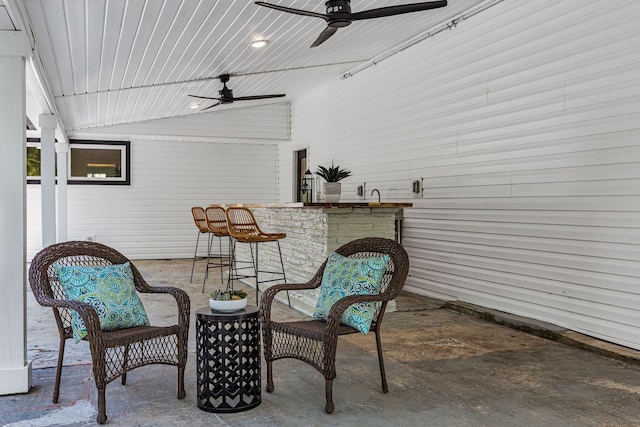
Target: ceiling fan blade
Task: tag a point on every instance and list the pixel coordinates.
(204, 97)
(397, 10)
(328, 32)
(291, 10)
(249, 98)
(211, 106)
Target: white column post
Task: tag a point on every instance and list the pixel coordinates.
(48, 124)
(15, 370)
(62, 148)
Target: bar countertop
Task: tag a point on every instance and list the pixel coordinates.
(322, 205)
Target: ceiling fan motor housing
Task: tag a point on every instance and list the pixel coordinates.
(335, 6)
(226, 95)
(338, 13)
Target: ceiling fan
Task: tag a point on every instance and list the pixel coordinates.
(339, 14)
(226, 94)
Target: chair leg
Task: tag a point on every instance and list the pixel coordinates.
(193, 265)
(124, 365)
(328, 384)
(221, 273)
(206, 269)
(102, 407)
(56, 387)
(284, 277)
(230, 254)
(181, 391)
(233, 270)
(255, 265)
(269, 377)
(381, 362)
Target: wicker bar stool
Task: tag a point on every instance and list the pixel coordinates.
(243, 228)
(216, 220)
(200, 219)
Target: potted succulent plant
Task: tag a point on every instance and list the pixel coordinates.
(332, 186)
(228, 300)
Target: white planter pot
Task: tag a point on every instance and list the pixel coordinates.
(331, 191)
(228, 305)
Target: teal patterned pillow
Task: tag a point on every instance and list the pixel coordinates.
(109, 289)
(345, 276)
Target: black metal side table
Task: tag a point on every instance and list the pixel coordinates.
(228, 359)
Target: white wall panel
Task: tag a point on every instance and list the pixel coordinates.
(267, 123)
(524, 122)
(151, 218)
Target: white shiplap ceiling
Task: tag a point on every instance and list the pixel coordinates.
(5, 19)
(130, 61)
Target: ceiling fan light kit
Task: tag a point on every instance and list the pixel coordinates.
(259, 43)
(339, 14)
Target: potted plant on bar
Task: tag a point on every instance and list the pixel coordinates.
(331, 186)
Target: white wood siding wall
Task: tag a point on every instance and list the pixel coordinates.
(259, 124)
(525, 123)
(152, 217)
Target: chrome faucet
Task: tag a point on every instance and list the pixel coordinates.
(375, 190)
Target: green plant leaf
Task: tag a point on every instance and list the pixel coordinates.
(332, 174)
(226, 295)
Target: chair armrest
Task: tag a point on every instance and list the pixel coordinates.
(89, 317)
(86, 311)
(181, 297)
(269, 295)
(338, 309)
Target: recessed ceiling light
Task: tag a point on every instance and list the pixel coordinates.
(194, 106)
(259, 43)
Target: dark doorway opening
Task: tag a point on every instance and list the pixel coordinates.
(301, 168)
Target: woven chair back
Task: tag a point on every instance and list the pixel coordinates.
(217, 221)
(241, 223)
(397, 267)
(200, 219)
(44, 280)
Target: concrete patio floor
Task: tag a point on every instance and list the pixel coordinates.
(446, 366)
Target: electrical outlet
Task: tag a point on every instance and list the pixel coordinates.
(362, 191)
(416, 188)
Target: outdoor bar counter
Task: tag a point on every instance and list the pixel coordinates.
(313, 231)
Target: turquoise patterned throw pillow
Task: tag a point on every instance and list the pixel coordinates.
(345, 276)
(110, 290)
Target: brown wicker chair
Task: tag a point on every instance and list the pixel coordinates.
(114, 353)
(315, 342)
